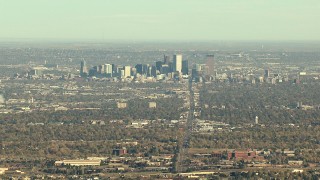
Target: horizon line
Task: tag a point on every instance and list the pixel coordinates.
(71, 40)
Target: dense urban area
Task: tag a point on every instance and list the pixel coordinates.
(240, 110)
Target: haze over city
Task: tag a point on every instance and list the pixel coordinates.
(162, 20)
(159, 89)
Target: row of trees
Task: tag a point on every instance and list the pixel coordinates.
(303, 138)
(82, 140)
(271, 103)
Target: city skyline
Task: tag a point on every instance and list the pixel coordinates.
(142, 20)
(132, 111)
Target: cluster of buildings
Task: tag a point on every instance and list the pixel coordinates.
(120, 163)
(161, 69)
(179, 68)
(227, 159)
(123, 105)
(209, 126)
(166, 69)
(176, 68)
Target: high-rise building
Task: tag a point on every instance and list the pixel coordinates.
(194, 73)
(210, 65)
(142, 69)
(166, 59)
(83, 69)
(170, 64)
(266, 74)
(199, 71)
(127, 71)
(145, 69)
(108, 70)
(165, 69)
(185, 67)
(94, 71)
(114, 69)
(101, 69)
(158, 65)
(177, 63)
(117, 70)
(139, 68)
(152, 71)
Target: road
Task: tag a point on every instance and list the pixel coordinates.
(184, 146)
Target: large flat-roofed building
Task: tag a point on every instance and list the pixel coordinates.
(120, 152)
(246, 155)
(152, 105)
(78, 162)
(122, 105)
(3, 170)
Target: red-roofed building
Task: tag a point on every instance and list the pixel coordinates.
(246, 155)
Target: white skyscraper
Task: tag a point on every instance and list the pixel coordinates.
(127, 71)
(177, 62)
(108, 69)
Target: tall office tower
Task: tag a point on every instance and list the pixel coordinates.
(194, 73)
(118, 69)
(101, 69)
(145, 69)
(152, 71)
(142, 68)
(165, 69)
(83, 69)
(158, 65)
(93, 72)
(185, 67)
(127, 71)
(108, 70)
(170, 64)
(266, 73)
(114, 69)
(177, 63)
(166, 59)
(139, 68)
(210, 65)
(196, 70)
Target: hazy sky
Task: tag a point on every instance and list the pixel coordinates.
(185, 20)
